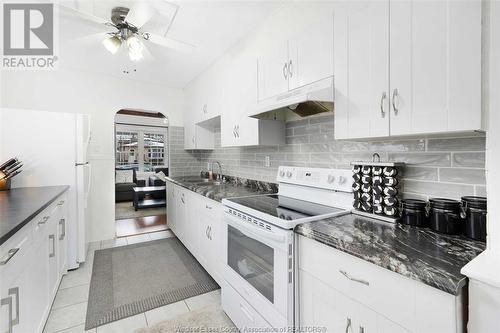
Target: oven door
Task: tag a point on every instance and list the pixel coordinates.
(259, 265)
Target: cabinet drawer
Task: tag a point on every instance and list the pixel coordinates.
(15, 252)
(241, 313)
(41, 222)
(386, 292)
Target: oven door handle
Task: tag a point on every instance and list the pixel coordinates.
(255, 231)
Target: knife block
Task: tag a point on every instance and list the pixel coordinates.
(5, 184)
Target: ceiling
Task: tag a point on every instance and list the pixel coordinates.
(211, 26)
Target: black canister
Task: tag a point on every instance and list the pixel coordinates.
(474, 213)
(414, 212)
(444, 216)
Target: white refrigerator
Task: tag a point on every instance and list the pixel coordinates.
(53, 147)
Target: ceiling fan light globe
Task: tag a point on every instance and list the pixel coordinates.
(112, 44)
(134, 44)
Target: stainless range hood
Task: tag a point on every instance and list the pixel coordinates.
(309, 100)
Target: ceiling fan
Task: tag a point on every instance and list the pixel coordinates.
(129, 28)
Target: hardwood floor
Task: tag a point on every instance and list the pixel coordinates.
(140, 225)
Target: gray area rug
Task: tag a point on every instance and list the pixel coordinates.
(125, 210)
(207, 319)
(136, 278)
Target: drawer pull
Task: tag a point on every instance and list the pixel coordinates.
(8, 301)
(208, 207)
(60, 203)
(53, 238)
(15, 291)
(9, 256)
(44, 220)
(344, 273)
(62, 223)
(361, 329)
(348, 325)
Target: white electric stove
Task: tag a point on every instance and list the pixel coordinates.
(259, 243)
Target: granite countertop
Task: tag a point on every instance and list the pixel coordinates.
(18, 206)
(233, 187)
(417, 253)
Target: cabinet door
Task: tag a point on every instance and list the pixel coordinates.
(16, 302)
(171, 206)
(52, 253)
(322, 306)
(180, 213)
(273, 69)
(435, 51)
(311, 44)
(61, 236)
(361, 69)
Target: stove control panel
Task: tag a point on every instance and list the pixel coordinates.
(330, 179)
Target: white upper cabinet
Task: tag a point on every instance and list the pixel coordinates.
(361, 69)
(407, 67)
(295, 48)
(273, 69)
(310, 46)
(435, 72)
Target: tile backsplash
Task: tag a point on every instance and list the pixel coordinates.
(448, 167)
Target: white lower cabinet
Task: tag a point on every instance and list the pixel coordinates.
(195, 220)
(351, 295)
(32, 263)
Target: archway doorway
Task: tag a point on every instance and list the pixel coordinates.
(141, 155)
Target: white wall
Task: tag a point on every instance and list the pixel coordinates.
(101, 96)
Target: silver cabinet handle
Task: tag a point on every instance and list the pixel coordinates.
(182, 198)
(290, 68)
(361, 329)
(238, 131)
(210, 232)
(208, 207)
(344, 273)
(382, 111)
(9, 256)
(395, 94)
(192, 139)
(44, 220)
(62, 223)
(53, 238)
(348, 325)
(206, 232)
(234, 131)
(15, 291)
(8, 301)
(60, 203)
(285, 71)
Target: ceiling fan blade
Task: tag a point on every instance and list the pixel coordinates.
(83, 15)
(169, 43)
(139, 14)
(168, 11)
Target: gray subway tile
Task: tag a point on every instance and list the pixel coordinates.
(434, 189)
(400, 145)
(423, 159)
(462, 175)
(322, 119)
(472, 160)
(321, 138)
(421, 173)
(480, 191)
(457, 144)
(297, 139)
(296, 123)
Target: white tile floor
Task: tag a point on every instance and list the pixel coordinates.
(70, 305)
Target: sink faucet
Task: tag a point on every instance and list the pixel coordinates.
(219, 174)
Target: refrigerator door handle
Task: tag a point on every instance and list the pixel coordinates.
(89, 180)
(79, 164)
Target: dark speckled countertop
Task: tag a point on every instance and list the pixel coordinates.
(417, 253)
(18, 206)
(232, 188)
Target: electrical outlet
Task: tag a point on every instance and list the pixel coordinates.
(267, 162)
